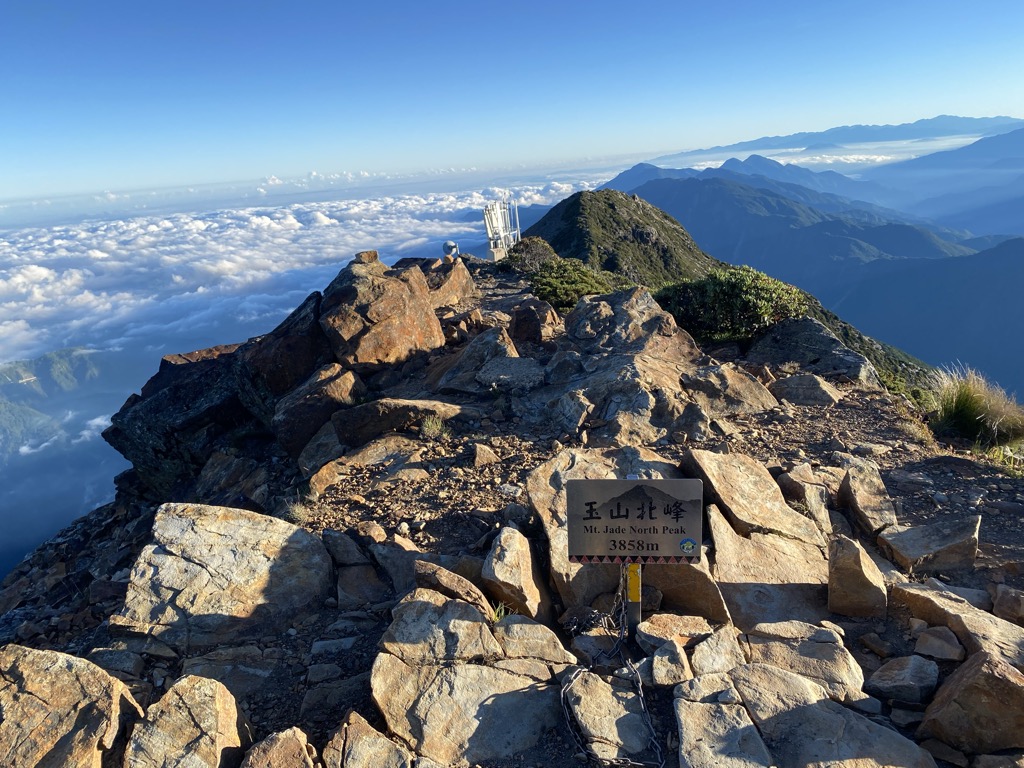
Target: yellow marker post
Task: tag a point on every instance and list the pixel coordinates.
(633, 596)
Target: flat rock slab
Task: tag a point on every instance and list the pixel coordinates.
(217, 575)
(463, 713)
(980, 707)
(60, 710)
(749, 496)
(816, 653)
(945, 546)
(768, 578)
(714, 726)
(523, 638)
(801, 726)
(978, 630)
(805, 389)
(610, 717)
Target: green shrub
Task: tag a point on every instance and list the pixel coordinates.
(970, 407)
(561, 282)
(731, 304)
(528, 255)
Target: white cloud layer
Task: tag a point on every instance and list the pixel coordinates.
(170, 282)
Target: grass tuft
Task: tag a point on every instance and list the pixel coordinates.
(970, 407)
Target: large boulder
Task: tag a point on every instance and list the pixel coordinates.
(629, 385)
(357, 744)
(727, 390)
(815, 349)
(374, 317)
(421, 631)
(576, 584)
(217, 575)
(610, 716)
(284, 749)
(58, 710)
(197, 720)
(170, 431)
(513, 578)
(814, 652)
(270, 366)
(361, 424)
(303, 411)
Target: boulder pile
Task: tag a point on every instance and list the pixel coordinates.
(344, 545)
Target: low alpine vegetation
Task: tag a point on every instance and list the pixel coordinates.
(970, 407)
(732, 304)
(560, 282)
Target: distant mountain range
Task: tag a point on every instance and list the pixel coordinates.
(943, 125)
(932, 270)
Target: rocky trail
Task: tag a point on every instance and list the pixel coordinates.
(343, 544)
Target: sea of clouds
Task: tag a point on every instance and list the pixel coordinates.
(129, 290)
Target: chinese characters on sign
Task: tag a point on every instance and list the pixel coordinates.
(634, 521)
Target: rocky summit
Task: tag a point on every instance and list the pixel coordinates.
(343, 545)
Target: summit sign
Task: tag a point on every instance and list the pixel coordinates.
(634, 521)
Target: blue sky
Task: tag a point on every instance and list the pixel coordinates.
(119, 95)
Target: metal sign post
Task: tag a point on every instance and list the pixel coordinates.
(634, 522)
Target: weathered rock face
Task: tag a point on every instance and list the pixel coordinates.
(169, 432)
(630, 384)
(309, 406)
(816, 653)
(978, 630)
(534, 321)
(373, 316)
(58, 710)
(980, 707)
(749, 496)
(805, 389)
(799, 724)
(610, 717)
(357, 426)
(694, 591)
(464, 713)
(197, 717)
(449, 282)
(513, 578)
(271, 366)
(809, 343)
(357, 744)
(216, 575)
(422, 633)
(286, 749)
(863, 492)
(727, 390)
(767, 578)
(907, 678)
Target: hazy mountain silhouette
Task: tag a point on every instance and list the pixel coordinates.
(935, 127)
(966, 309)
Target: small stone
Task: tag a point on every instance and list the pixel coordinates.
(907, 678)
(876, 645)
